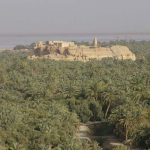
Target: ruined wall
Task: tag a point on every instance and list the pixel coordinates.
(87, 53)
(118, 52)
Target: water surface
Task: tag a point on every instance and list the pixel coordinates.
(9, 41)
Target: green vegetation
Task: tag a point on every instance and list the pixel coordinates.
(43, 101)
(20, 47)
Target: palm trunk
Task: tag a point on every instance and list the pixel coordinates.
(126, 133)
(107, 110)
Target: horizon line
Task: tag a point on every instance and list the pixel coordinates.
(80, 33)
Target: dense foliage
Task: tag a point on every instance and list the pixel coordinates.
(21, 47)
(42, 101)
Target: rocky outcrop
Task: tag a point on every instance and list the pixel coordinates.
(122, 52)
(87, 53)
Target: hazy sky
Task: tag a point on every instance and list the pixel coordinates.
(74, 16)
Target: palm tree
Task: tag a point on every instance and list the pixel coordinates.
(130, 117)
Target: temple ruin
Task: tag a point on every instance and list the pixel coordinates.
(63, 50)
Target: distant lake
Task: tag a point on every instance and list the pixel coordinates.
(9, 41)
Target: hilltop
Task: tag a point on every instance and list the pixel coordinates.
(69, 51)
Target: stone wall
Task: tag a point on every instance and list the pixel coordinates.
(87, 53)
